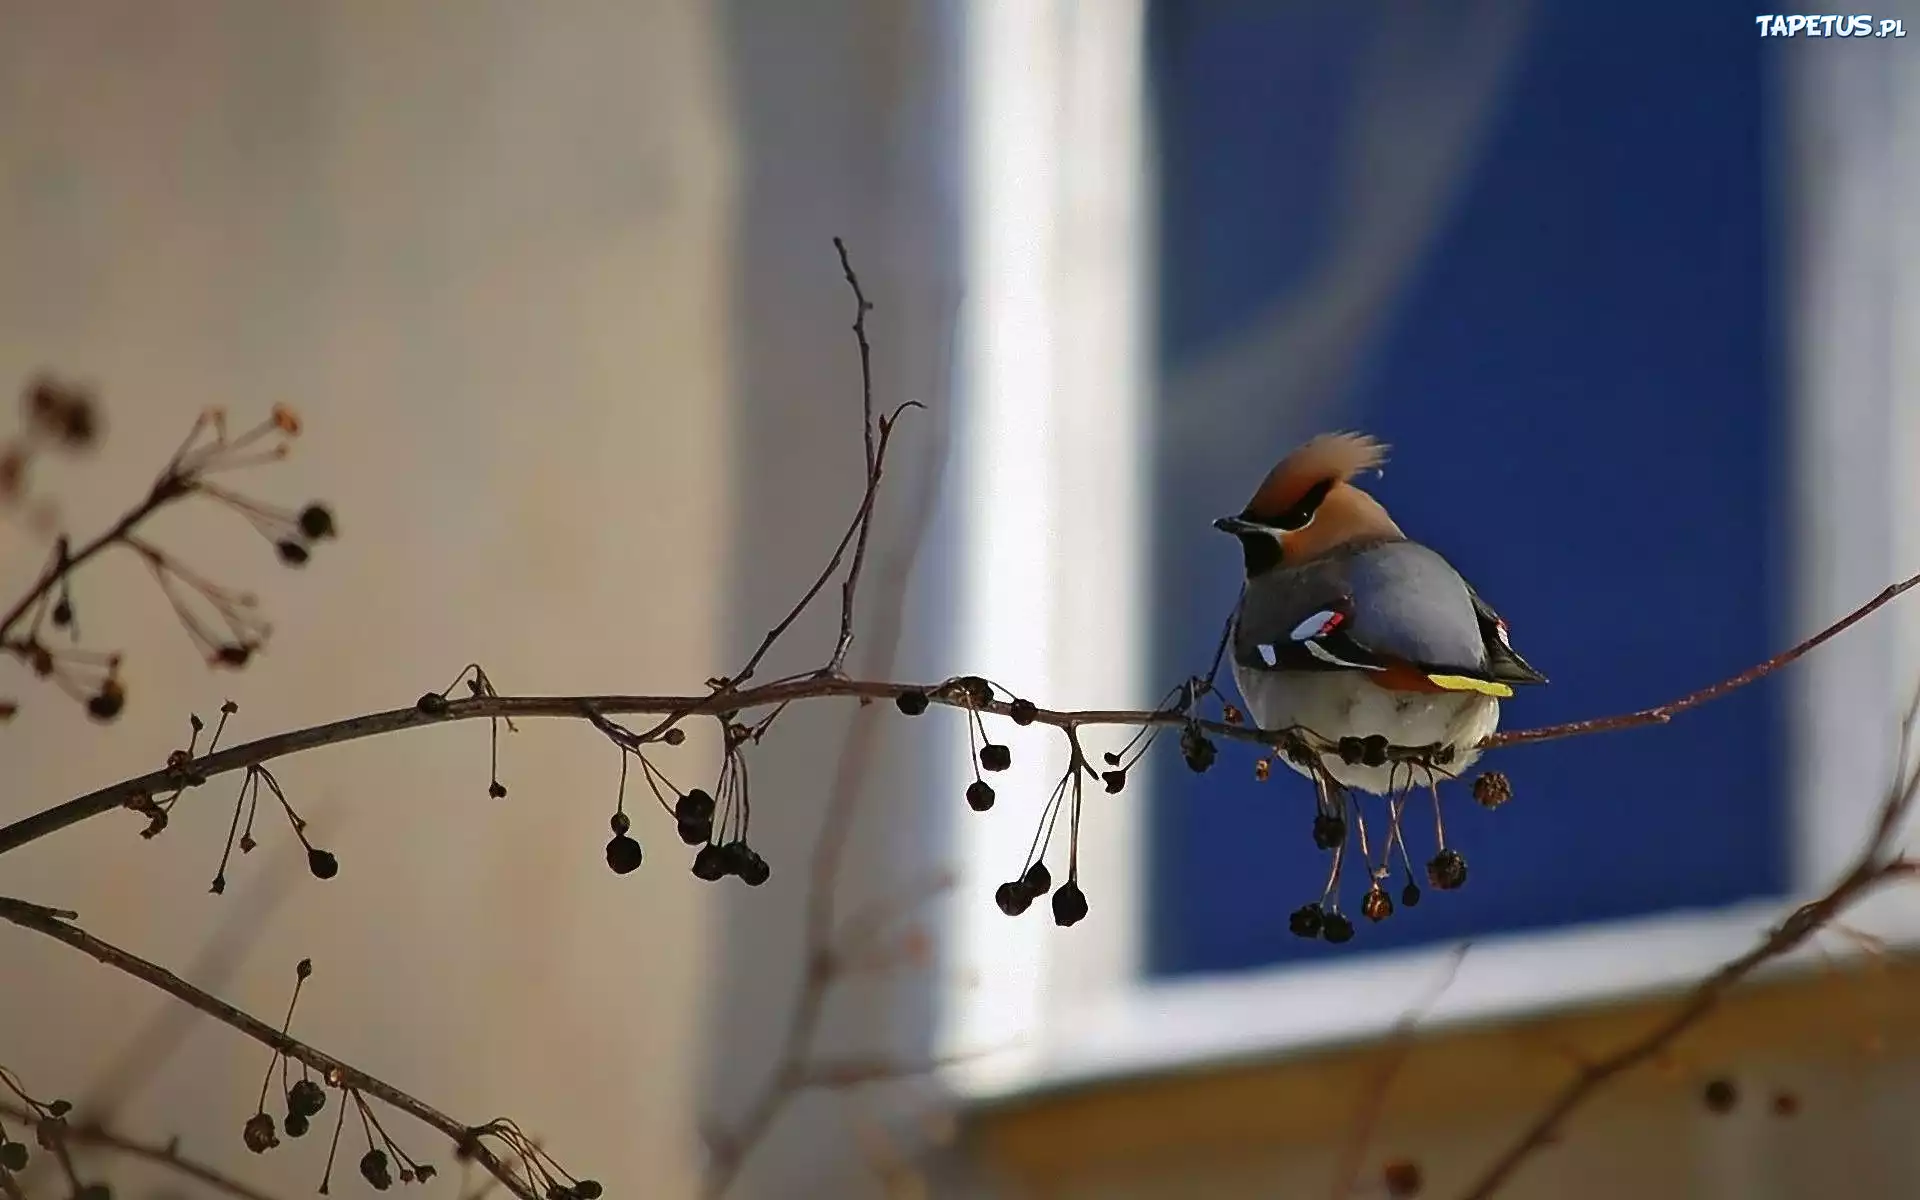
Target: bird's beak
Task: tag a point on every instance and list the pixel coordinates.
(1237, 526)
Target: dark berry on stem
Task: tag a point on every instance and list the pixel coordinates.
(995, 757)
(292, 553)
(13, 1156)
(259, 1133)
(980, 795)
(710, 864)
(1410, 894)
(755, 871)
(694, 832)
(1038, 879)
(1023, 712)
(1447, 870)
(1373, 751)
(623, 854)
(1115, 780)
(1306, 921)
(695, 806)
(432, 703)
(497, 790)
(1069, 904)
(1013, 898)
(316, 521)
(1198, 749)
(620, 822)
(306, 1098)
(1329, 830)
(1337, 929)
(106, 704)
(911, 703)
(322, 863)
(296, 1125)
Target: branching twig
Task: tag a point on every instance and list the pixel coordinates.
(93, 1136)
(1876, 865)
(59, 926)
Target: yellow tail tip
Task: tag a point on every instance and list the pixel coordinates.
(1464, 683)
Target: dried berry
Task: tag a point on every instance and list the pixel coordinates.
(1373, 750)
(1447, 870)
(1306, 921)
(259, 1133)
(497, 790)
(1198, 749)
(755, 870)
(696, 807)
(911, 703)
(234, 655)
(1023, 712)
(995, 757)
(1038, 880)
(1013, 898)
(13, 1156)
(1492, 789)
(710, 864)
(306, 1098)
(1069, 904)
(1402, 1179)
(292, 553)
(1410, 895)
(980, 795)
(1115, 780)
(297, 1125)
(105, 704)
(1337, 929)
(620, 822)
(694, 832)
(322, 863)
(1351, 750)
(62, 612)
(1329, 830)
(374, 1169)
(316, 521)
(587, 1189)
(1719, 1096)
(623, 854)
(432, 703)
(1375, 906)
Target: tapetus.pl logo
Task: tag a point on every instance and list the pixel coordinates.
(1858, 25)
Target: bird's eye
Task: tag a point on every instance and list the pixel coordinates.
(1303, 511)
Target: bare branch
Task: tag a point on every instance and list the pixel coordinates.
(1873, 868)
(93, 1136)
(58, 925)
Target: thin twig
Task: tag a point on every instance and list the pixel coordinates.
(1399, 1044)
(1875, 866)
(93, 1136)
(838, 662)
(58, 926)
(829, 951)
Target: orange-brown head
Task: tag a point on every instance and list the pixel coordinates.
(1308, 505)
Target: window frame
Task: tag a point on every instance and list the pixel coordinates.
(1059, 255)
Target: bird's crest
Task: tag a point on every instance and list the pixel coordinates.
(1330, 458)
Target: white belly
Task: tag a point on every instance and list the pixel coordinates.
(1331, 705)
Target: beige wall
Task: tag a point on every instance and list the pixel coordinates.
(485, 250)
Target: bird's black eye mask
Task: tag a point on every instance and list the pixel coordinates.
(1260, 538)
(1301, 514)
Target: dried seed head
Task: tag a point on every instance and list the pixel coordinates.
(1306, 920)
(323, 864)
(259, 1133)
(995, 757)
(1492, 789)
(1375, 906)
(1447, 870)
(1023, 712)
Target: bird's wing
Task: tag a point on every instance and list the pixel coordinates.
(1503, 660)
(1395, 609)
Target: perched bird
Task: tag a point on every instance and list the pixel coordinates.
(1356, 637)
